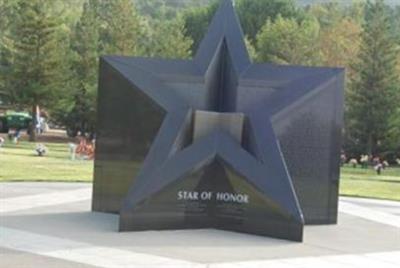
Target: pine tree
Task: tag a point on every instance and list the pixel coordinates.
(38, 56)
(7, 9)
(7, 91)
(77, 109)
(373, 95)
(123, 30)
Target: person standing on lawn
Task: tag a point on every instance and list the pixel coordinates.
(378, 168)
(17, 136)
(364, 161)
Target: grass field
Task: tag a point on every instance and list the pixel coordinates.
(20, 163)
(366, 183)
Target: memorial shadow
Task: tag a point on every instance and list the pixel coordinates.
(82, 226)
(204, 245)
(100, 230)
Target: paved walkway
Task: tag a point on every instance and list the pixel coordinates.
(50, 225)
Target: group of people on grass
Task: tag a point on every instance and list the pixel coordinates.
(366, 160)
(84, 150)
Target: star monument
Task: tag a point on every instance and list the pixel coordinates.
(217, 141)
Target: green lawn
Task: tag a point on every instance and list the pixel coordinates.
(366, 183)
(19, 162)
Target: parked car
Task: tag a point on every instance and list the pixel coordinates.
(16, 120)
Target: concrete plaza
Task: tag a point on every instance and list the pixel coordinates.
(51, 225)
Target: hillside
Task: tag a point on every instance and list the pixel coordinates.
(148, 6)
(343, 2)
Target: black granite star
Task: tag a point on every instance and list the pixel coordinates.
(221, 80)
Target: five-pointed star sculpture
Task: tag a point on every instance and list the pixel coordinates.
(220, 78)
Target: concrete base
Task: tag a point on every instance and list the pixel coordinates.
(43, 224)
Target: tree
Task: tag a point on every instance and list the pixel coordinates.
(5, 70)
(196, 21)
(250, 49)
(394, 132)
(254, 14)
(339, 38)
(168, 40)
(340, 42)
(38, 56)
(394, 15)
(99, 31)
(77, 109)
(122, 30)
(7, 10)
(105, 27)
(287, 41)
(165, 9)
(395, 26)
(374, 89)
(156, 9)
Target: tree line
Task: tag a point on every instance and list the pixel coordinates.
(50, 49)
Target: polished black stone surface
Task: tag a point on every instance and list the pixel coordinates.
(218, 142)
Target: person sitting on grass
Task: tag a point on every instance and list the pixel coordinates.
(81, 148)
(85, 150)
(41, 150)
(353, 162)
(90, 151)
